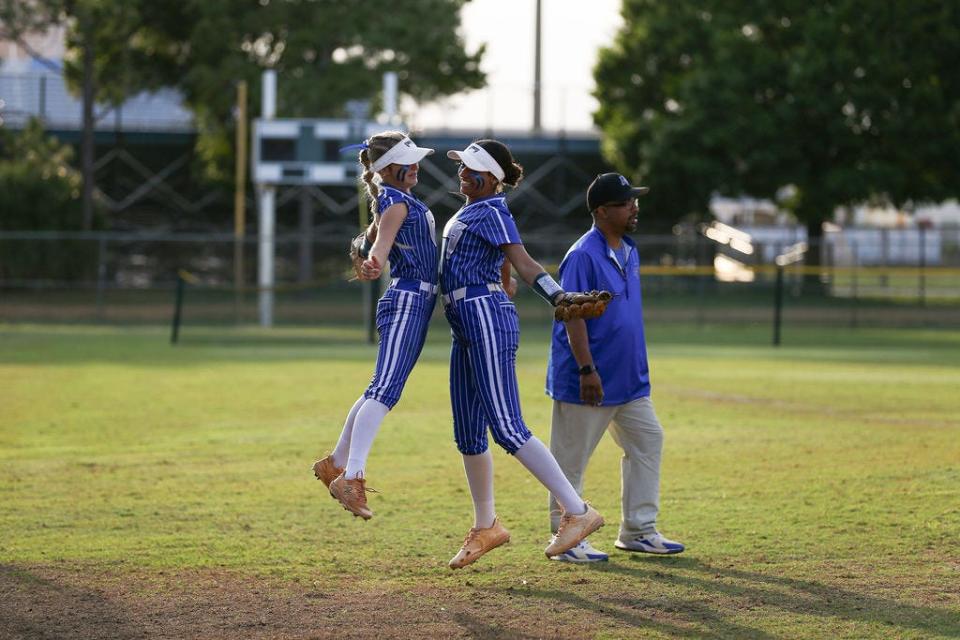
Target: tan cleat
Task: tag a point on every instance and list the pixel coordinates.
(478, 542)
(352, 494)
(326, 471)
(573, 529)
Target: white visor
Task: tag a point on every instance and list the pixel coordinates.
(404, 152)
(476, 158)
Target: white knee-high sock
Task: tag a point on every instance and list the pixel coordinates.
(365, 427)
(479, 470)
(342, 451)
(540, 462)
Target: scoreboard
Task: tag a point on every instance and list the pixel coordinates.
(296, 151)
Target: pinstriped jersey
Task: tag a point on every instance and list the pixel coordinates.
(471, 252)
(414, 251)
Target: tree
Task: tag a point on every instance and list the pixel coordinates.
(844, 100)
(40, 190)
(325, 52)
(83, 18)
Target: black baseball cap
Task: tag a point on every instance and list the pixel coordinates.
(611, 187)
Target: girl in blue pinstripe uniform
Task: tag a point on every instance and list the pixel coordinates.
(406, 235)
(485, 328)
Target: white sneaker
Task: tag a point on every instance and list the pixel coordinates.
(650, 543)
(583, 552)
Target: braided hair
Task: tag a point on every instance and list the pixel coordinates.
(377, 145)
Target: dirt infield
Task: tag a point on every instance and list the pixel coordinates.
(46, 602)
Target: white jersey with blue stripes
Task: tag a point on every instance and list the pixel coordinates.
(470, 252)
(414, 252)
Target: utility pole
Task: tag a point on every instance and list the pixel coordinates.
(239, 198)
(87, 137)
(536, 73)
(267, 213)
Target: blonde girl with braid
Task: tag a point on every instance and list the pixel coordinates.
(403, 231)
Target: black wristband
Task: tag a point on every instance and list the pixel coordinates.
(586, 369)
(547, 288)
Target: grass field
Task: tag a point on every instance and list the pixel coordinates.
(157, 491)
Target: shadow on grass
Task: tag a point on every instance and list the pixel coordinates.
(745, 590)
(681, 618)
(27, 600)
(482, 629)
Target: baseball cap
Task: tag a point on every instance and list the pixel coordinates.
(611, 187)
(404, 152)
(477, 158)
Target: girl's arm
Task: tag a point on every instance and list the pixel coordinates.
(390, 221)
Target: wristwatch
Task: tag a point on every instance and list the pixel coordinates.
(587, 369)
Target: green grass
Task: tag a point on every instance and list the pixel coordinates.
(817, 485)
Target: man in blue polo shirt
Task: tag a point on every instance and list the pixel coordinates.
(598, 375)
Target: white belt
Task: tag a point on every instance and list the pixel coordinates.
(477, 289)
(406, 284)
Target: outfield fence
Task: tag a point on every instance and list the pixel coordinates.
(121, 278)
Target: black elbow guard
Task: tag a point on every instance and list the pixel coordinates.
(547, 288)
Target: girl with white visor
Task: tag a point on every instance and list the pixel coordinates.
(483, 383)
(405, 234)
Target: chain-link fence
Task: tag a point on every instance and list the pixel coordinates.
(697, 277)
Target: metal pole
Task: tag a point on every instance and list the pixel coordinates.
(923, 266)
(43, 98)
(778, 306)
(239, 200)
(265, 255)
(268, 99)
(267, 215)
(855, 294)
(87, 142)
(701, 262)
(536, 71)
(177, 307)
(101, 275)
(305, 271)
(390, 89)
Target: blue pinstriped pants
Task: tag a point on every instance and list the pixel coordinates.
(483, 379)
(402, 321)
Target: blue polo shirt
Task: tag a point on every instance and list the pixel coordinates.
(616, 338)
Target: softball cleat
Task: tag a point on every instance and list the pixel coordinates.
(326, 471)
(478, 542)
(352, 494)
(573, 529)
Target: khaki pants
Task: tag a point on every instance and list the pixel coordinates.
(575, 433)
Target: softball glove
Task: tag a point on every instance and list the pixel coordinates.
(587, 305)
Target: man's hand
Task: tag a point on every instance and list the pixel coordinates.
(591, 389)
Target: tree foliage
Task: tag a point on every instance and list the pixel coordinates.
(20, 18)
(41, 191)
(39, 188)
(325, 52)
(844, 100)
